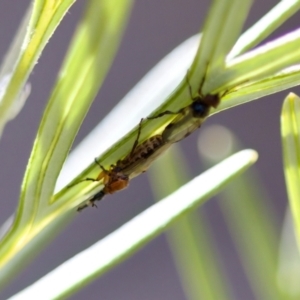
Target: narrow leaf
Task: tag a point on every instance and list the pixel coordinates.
(88, 60)
(265, 26)
(65, 279)
(290, 133)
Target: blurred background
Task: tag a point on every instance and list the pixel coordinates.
(155, 28)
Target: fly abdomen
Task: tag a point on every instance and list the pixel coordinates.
(149, 146)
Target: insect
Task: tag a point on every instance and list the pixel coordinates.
(136, 162)
(113, 181)
(188, 119)
(191, 117)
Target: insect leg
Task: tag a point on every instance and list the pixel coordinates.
(201, 83)
(137, 138)
(82, 180)
(232, 90)
(167, 112)
(98, 163)
(91, 202)
(100, 176)
(203, 80)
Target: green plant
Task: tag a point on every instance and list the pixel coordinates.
(252, 73)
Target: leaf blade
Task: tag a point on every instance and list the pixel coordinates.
(135, 233)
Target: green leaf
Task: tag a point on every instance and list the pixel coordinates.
(280, 81)
(197, 262)
(248, 214)
(289, 259)
(38, 25)
(261, 62)
(87, 62)
(265, 26)
(67, 110)
(180, 96)
(135, 233)
(290, 130)
(221, 29)
(218, 15)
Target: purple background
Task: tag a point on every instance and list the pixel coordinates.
(155, 28)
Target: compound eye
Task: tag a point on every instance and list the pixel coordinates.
(200, 109)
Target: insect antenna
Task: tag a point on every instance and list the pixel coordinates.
(82, 180)
(89, 178)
